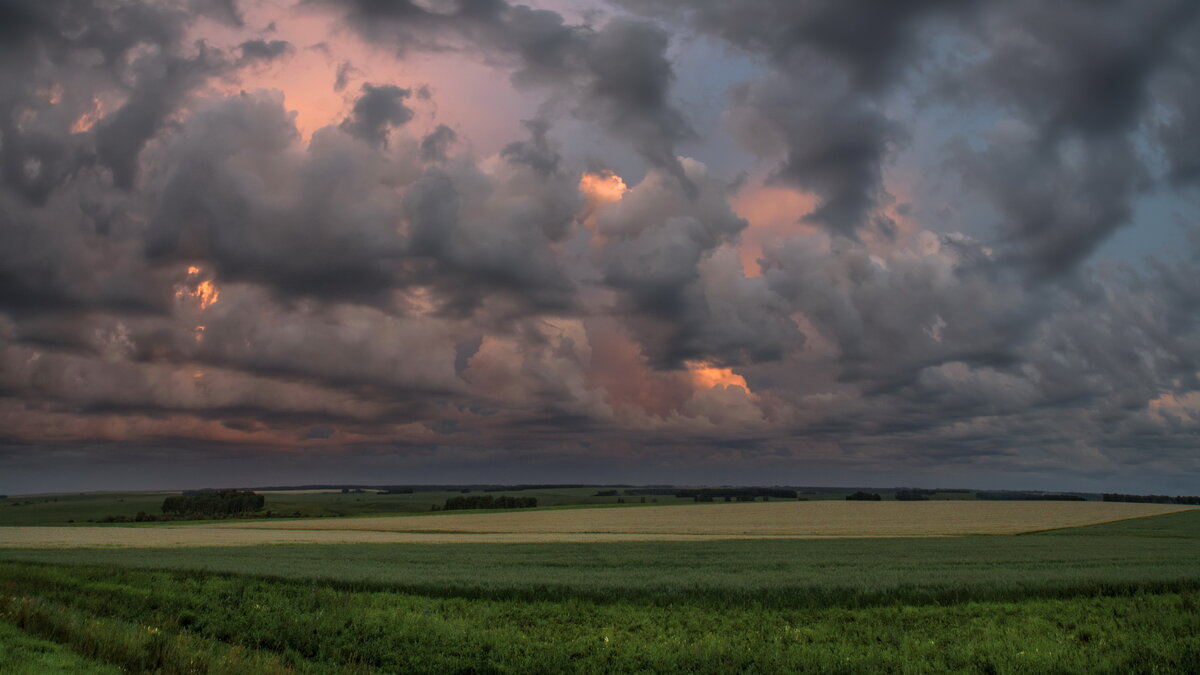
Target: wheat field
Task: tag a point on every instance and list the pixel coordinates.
(770, 520)
(758, 519)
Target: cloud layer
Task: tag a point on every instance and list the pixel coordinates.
(899, 260)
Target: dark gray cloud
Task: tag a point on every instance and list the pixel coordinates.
(472, 235)
(826, 137)
(1077, 74)
(1077, 67)
(1178, 90)
(680, 302)
(618, 75)
(335, 226)
(344, 71)
(1056, 203)
(334, 235)
(437, 143)
(160, 88)
(1079, 77)
(83, 88)
(379, 109)
(875, 39)
(263, 50)
(51, 44)
(820, 116)
(224, 11)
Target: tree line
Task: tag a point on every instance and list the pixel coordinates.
(745, 494)
(488, 502)
(864, 497)
(213, 503)
(1151, 499)
(1028, 497)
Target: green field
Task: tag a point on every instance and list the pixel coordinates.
(24, 654)
(82, 509)
(1121, 597)
(79, 509)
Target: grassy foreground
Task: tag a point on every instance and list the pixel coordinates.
(1122, 597)
(24, 654)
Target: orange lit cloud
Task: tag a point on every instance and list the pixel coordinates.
(205, 291)
(1184, 406)
(600, 188)
(705, 376)
(772, 213)
(89, 119)
(604, 187)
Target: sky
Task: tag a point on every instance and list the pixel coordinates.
(934, 243)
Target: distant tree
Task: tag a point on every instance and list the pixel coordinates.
(911, 496)
(747, 494)
(864, 497)
(488, 502)
(1029, 496)
(213, 503)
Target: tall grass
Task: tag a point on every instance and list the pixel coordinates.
(1120, 598)
(1151, 554)
(154, 621)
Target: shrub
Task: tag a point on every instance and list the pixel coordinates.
(864, 497)
(213, 503)
(489, 502)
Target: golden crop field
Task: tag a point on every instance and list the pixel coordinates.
(825, 519)
(758, 519)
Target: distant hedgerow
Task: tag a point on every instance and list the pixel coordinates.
(214, 503)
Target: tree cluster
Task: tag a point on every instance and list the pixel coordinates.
(1152, 499)
(213, 503)
(1028, 497)
(489, 502)
(652, 491)
(740, 494)
(914, 495)
(864, 497)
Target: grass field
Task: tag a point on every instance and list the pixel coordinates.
(24, 654)
(701, 521)
(67, 509)
(760, 519)
(1119, 597)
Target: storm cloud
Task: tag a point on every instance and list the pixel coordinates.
(779, 241)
